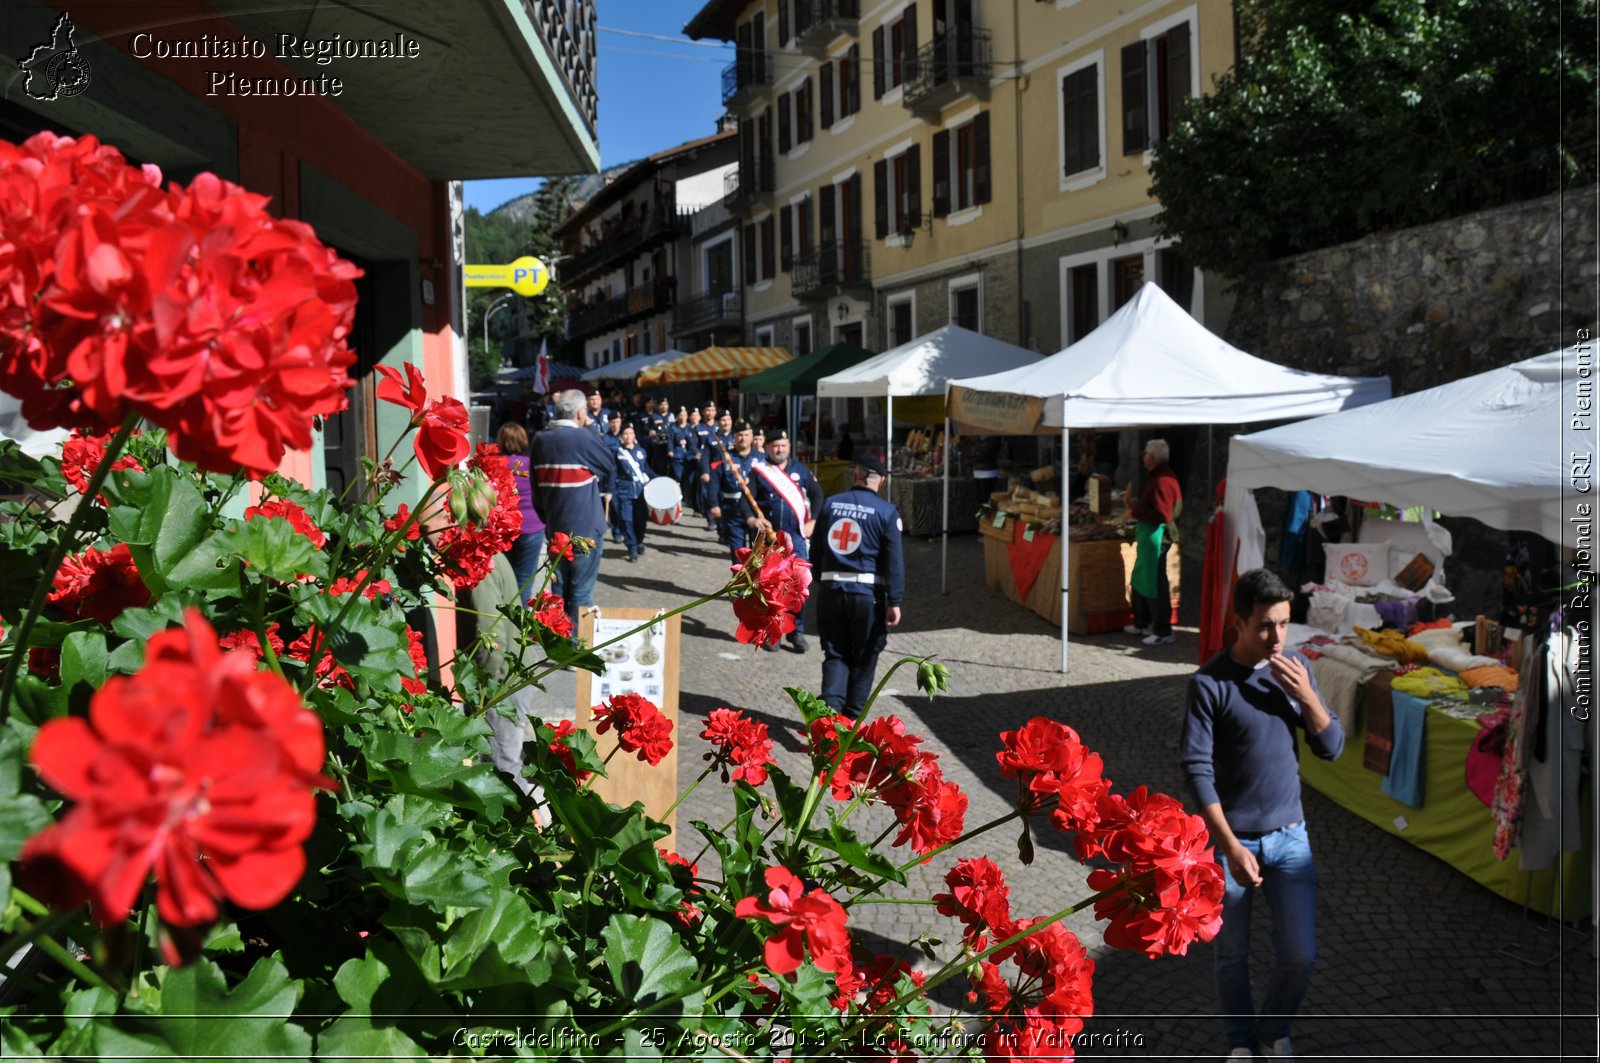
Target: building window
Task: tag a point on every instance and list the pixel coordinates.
(802, 337)
(1156, 79)
(802, 113)
(1083, 301)
(1175, 277)
(894, 52)
(1127, 277)
(898, 191)
(764, 336)
(850, 82)
(901, 319)
(769, 249)
(966, 304)
(961, 169)
(1082, 119)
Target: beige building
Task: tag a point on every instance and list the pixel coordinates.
(906, 165)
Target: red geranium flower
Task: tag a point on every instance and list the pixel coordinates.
(560, 546)
(245, 641)
(82, 454)
(558, 745)
(197, 768)
(329, 672)
(1054, 770)
(99, 585)
(297, 517)
(411, 393)
(739, 740)
(469, 549)
(684, 873)
(402, 518)
(807, 920)
(441, 442)
(640, 726)
(768, 589)
(551, 611)
(417, 649)
(979, 897)
(1036, 1016)
(348, 584)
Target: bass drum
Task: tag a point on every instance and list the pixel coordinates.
(664, 498)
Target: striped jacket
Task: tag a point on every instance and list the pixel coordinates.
(571, 469)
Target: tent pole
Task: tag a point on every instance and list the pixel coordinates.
(944, 531)
(888, 445)
(816, 418)
(1066, 540)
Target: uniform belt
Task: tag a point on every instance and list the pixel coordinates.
(732, 494)
(849, 577)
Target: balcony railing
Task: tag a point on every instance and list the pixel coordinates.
(747, 186)
(832, 269)
(614, 312)
(818, 22)
(618, 238)
(713, 215)
(711, 310)
(745, 79)
(567, 28)
(953, 65)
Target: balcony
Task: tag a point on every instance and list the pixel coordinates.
(749, 185)
(619, 239)
(713, 215)
(949, 67)
(817, 23)
(713, 310)
(567, 30)
(618, 310)
(839, 268)
(746, 79)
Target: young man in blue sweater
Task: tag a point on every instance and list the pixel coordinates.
(1247, 709)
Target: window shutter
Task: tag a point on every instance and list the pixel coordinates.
(768, 248)
(880, 197)
(1135, 102)
(802, 106)
(743, 57)
(747, 150)
(758, 45)
(981, 180)
(853, 63)
(784, 124)
(914, 186)
(852, 225)
(825, 81)
(749, 254)
(803, 229)
(941, 174)
(1080, 107)
(877, 64)
(1177, 86)
(908, 44)
(786, 243)
(827, 220)
(783, 22)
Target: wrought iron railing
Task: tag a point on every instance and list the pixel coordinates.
(567, 28)
(747, 75)
(618, 239)
(707, 310)
(830, 268)
(955, 62)
(639, 301)
(816, 22)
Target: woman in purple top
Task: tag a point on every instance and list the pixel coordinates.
(527, 553)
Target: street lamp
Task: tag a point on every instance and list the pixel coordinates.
(496, 305)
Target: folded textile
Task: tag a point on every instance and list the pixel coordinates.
(1393, 644)
(1398, 614)
(1459, 660)
(1490, 675)
(1340, 685)
(1380, 724)
(1404, 782)
(1429, 683)
(1431, 625)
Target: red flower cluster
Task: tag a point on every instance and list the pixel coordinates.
(1171, 885)
(930, 808)
(297, 517)
(329, 672)
(978, 897)
(348, 584)
(878, 979)
(245, 641)
(193, 308)
(82, 454)
(98, 585)
(197, 768)
(442, 425)
(806, 920)
(739, 740)
(560, 546)
(402, 518)
(684, 874)
(769, 587)
(1053, 770)
(640, 726)
(417, 648)
(551, 611)
(558, 745)
(469, 549)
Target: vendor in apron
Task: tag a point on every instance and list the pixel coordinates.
(789, 497)
(633, 472)
(1156, 511)
(730, 467)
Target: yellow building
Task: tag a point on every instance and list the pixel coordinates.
(906, 165)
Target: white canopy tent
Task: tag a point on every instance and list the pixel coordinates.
(922, 367)
(629, 368)
(1499, 447)
(1150, 363)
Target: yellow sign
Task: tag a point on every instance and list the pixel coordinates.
(525, 276)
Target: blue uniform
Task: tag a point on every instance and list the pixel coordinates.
(613, 518)
(697, 458)
(781, 514)
(860, 570)
(627, 503)
(726, 492)
(679, 440)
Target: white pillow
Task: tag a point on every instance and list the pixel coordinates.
(1358, 564)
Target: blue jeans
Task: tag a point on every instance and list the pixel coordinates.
(575, 580)
(526, 555)
(1289, 881)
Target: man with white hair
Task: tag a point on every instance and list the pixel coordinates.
(572, 483)
(1157, 510)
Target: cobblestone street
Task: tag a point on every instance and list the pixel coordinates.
(1416, 960)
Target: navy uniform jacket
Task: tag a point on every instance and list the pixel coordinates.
(680, 442)
(777, 511)
(859, 532)
(711, 448)
(628, 487)
(725, 489)
(600, 424)
(702, 439)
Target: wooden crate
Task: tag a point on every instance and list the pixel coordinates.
(1100, 578)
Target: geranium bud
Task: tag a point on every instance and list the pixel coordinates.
(482, 498)
(459, 485)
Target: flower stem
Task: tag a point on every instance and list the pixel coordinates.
(691, 789)
(58, 553)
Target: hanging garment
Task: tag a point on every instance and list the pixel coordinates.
(1404, 782)
(1510, 795)
(1551, 821)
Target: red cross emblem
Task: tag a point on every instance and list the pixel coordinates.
(845, 536)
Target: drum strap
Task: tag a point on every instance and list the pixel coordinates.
(638, 474)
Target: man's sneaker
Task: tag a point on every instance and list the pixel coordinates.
(1159, 640)
(1135, 629)
(1241, 1053)
(1279, 1049)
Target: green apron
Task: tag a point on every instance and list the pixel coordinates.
(1147, 562)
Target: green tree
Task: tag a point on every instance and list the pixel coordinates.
(1345, 117)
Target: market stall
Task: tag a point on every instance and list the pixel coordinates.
(798, 378)
(1498, 447)
(1150, 363)
(628, 368)
(714, 363)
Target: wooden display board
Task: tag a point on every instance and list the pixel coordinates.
(645, 664)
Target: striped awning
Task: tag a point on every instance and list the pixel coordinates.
(715, 363)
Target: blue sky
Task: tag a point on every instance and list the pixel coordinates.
(653, 93)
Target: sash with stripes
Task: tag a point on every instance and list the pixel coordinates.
(638, 473)
(787, 490)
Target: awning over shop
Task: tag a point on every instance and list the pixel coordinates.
(629, 367)
(800, 376)
(715, 363)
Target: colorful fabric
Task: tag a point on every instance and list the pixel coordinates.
(1404, 782)
(1429, 683)
(1027, 559)
(1496, 675)
(1392, 644)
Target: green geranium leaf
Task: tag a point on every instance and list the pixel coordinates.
(507, 943)
(272, 547)
(165, 521)
(84, 659)
(370, 642)
(200, 1017)
(406, 859)
(648, 964)
(137, 625)
(811, 707)
(358, 982)
(791, 796)
(855, 852)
